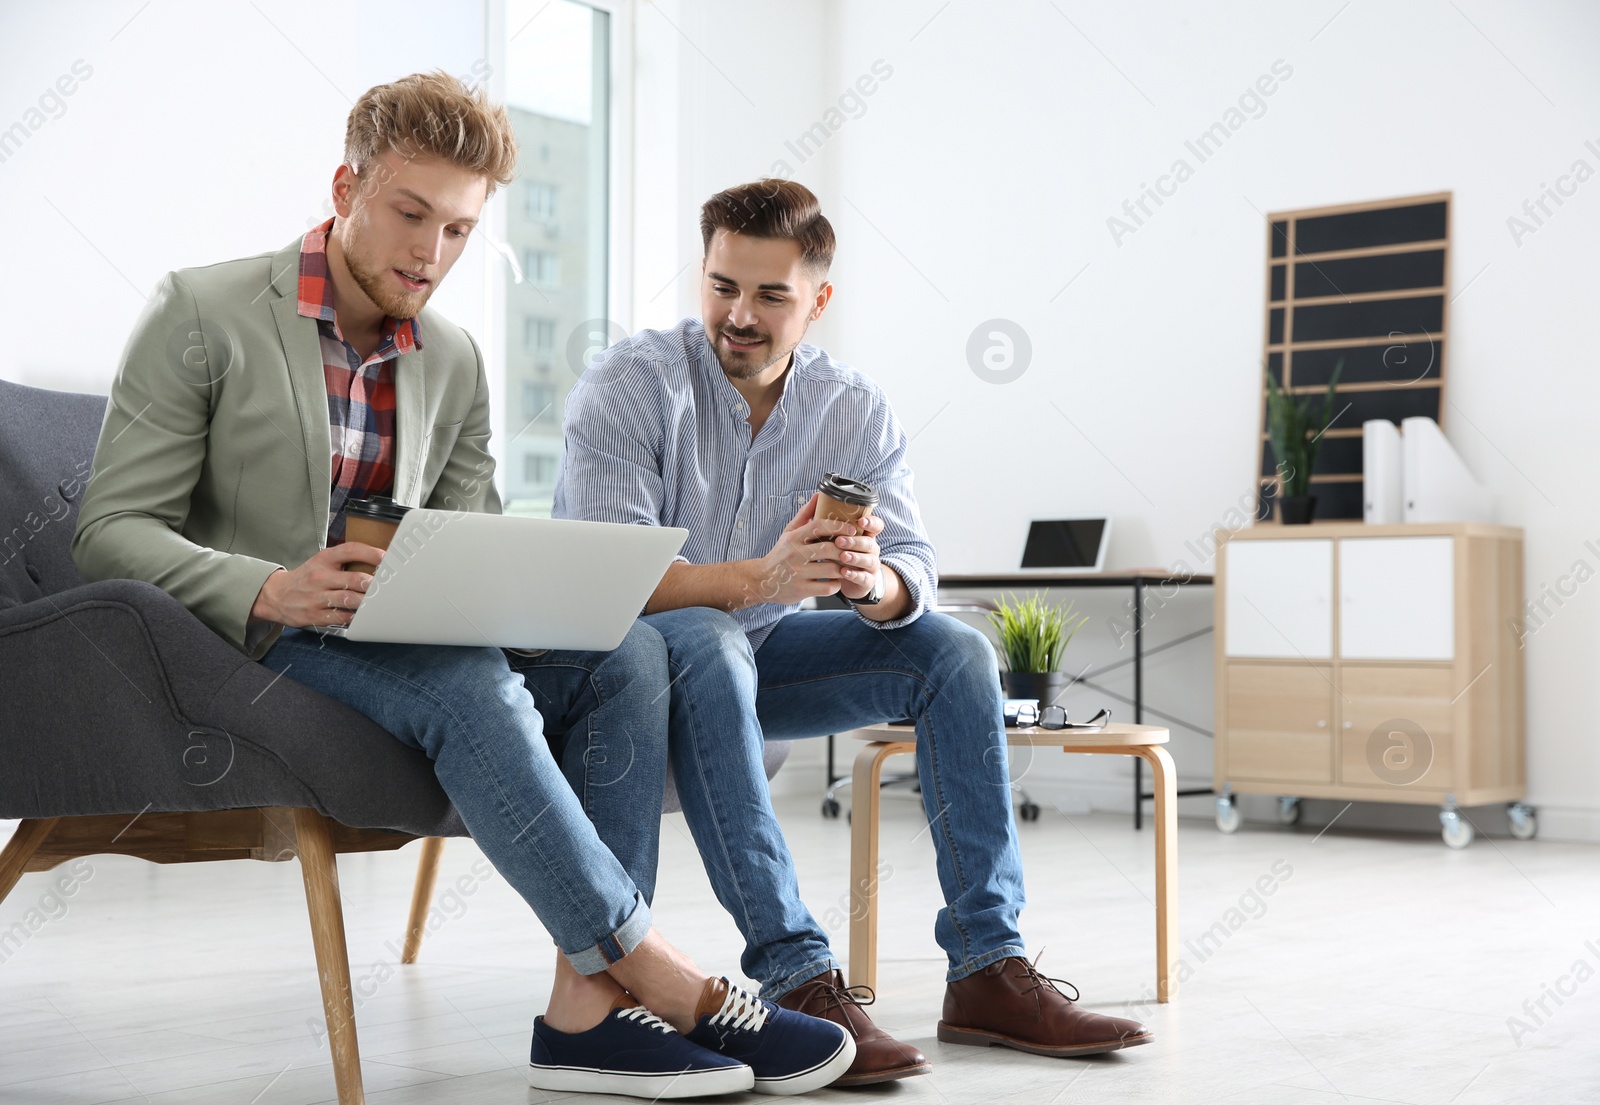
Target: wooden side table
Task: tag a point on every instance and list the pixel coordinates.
(1143, 741)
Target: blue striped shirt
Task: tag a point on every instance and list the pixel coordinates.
(657, 436)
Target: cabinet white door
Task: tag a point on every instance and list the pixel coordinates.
(1397, 598)
(1279, 599)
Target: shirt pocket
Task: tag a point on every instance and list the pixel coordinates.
(783, 507)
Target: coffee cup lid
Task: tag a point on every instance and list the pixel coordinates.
(377, 507)
(847, 490)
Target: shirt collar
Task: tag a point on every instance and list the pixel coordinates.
(315, 294)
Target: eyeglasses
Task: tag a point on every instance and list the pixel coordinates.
(1055, 717)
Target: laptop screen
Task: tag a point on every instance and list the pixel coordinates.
(1066, 543)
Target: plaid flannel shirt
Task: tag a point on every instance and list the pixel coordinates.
(361, 400)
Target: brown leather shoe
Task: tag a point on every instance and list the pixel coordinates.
(879, 1056)
(1010, 1004)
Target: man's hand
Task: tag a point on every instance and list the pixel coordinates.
(858, 559)
(319, 592)
(806, 561)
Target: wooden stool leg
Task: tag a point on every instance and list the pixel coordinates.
(422, 895)
(24, 842)
(1164, 778)
(319, 868)
(865, 803)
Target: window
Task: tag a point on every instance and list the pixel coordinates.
(539, 470)
(539, 334)
(558, 76)
(539, 200)
(537, 399)
(541, 267)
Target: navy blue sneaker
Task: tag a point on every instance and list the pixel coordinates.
(789, 1052)
(631, 1052)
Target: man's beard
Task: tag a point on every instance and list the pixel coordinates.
(744, 368)
(383, 292)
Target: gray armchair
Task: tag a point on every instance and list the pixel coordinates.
(128, 727)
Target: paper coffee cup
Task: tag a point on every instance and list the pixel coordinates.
(371, 521)
(845, 499)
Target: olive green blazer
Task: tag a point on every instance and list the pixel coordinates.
(214, 465)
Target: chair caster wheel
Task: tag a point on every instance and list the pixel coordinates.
(1289, 811)
(1524, 821)
(830, 808)
(1228, 815)
(1456, 830)
(1029, 811)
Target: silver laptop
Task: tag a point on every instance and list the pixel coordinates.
(459, 578)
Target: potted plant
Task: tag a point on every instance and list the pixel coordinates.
(1295, 429)
(1033, 637)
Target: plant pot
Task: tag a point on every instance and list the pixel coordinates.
(1296, 510)
(1046, 686)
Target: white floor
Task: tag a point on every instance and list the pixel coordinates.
(1380, 968)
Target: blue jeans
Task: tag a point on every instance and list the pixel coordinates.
(567, 805)
(826, 671)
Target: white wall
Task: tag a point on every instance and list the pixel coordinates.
(1007, 137)
(204, 132)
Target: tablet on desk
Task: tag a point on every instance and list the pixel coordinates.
(461, 578)
(1066, 545)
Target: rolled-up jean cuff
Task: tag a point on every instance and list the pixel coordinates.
(978, 963)
(775, 989)
(629, 935)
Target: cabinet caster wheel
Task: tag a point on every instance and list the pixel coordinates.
(1228, 816)
(1524, 822)
(830, 808)
(1457, 830)
(1288, 811)
(1030, 812)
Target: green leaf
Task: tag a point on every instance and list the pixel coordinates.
(1034, 634)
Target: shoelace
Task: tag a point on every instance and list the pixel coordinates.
(741, 1010)
(837, 997)
(1042, 981)
(645, 1017)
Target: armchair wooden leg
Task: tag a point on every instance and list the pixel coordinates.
(422, 895)
(864, 810)
(319, 867)
(1164, 778)
(24, 842)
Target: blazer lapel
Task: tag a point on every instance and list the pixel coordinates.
(410, 425)
(302, 348)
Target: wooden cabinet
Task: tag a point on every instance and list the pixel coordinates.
(1370, 663)
(1281, 722)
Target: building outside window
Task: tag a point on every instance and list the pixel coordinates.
(558, 95)
(539, 470)
(539, 334)
(537, 399)
(539, 200)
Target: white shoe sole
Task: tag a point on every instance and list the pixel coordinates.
(823, 1074)
(657, 1087)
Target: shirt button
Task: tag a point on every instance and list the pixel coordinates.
(741, 525)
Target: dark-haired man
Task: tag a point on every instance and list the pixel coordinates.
(724, 425)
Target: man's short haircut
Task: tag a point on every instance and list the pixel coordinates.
(772, 208)
(433, 115)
